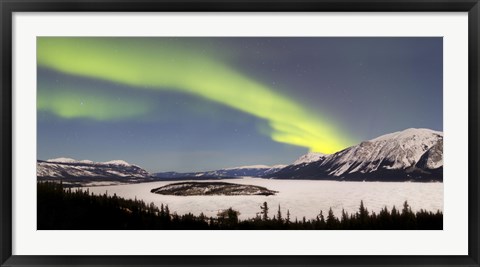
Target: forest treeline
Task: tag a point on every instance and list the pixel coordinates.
(67, 209)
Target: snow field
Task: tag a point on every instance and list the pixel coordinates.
(301, 197)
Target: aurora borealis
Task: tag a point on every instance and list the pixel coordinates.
(223, 102)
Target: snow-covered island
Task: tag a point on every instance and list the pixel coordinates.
(212, 188)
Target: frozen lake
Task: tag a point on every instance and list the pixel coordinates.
(301, 197)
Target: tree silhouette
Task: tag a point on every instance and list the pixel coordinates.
(66, 209)
(332, 222)
(279, 214)
(228, 218)
(264, 211)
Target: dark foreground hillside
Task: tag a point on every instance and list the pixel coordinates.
(59, 209)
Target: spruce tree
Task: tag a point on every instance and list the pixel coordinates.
(406, 209)
(162, 211)
(279, 214)
(345, 219)
(331, 220)
(363, 215)
(167, 213)
(322, 218)
(320, 223)
(264, 211)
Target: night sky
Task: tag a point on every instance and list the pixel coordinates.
(194, 104)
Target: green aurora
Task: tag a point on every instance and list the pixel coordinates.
(166, 66)
(95, 104)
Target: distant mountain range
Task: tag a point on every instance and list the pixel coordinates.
(86, 171)
(409, 155)
(253, 171)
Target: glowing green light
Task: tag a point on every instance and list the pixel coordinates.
(82, 103)
(159, 66)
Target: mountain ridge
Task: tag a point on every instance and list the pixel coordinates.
(85, 171)
(408, 155)
(394, 156)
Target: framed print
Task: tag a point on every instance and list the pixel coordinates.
(239, 133)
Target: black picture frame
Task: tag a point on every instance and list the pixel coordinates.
(8, 7)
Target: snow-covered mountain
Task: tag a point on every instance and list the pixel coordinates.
(433, 158)
(118, 163)
(253, 171)
(85, 161)
(409, 155)
(309, 157)
(412, 154)
(85, 171)
(63, 160)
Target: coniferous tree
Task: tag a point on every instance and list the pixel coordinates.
(202, 217)
(321, 217)
(345, 220)
(408, 216)
(384, 217)
(228, 218)
(162, 210)
(264, 211)
(167, 213)
(362, 216)
(395, 217)
(279, 215)
(332, 222)
(405, 209)
(320, 221)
